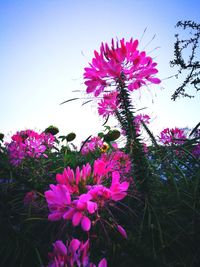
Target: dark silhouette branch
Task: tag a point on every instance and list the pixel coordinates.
(191, 64)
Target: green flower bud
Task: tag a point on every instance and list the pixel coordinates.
(52, 129)
(112, 136)
(70, 137)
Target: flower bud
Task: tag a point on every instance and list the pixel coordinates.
(52, 129)
(70, 137)
(111, 136)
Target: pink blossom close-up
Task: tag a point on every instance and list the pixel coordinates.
(71, 254)
(83, 193)
(109, 104)
(139, 119)
(28, 144)
(121, 62)
(172, 136)
(91, 145)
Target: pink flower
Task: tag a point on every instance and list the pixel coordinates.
(74, 180)
(101, 169)
(117, 161)
(138, 121)
(103, 263)
(121, 62)
(122, 231)
(74, 253)
(100, 194)
(109, 104)
(172, 136)
(91, 145)
(84, 205)
(59, 202)
(118, 190)
(28, 144)
(82, 194)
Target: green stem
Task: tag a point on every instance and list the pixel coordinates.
(134, 147)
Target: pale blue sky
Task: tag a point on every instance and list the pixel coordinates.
(45, 44)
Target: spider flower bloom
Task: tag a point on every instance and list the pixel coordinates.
(117, 161)
(108, 105)
(122, 231)
(59, 202)
(171, 136)
(75, 181)
(75, 253)
(138, 121)
(122, 62)
(28, 144)
(77, 199)
(91, 145)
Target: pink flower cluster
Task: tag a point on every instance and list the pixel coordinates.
(120, 62)
(91, 145)
(117, 161)
(138, 121)
(83, 193)
(172, 136)
(79, 196)
(109, 104)
(74, 253)
(28, 144)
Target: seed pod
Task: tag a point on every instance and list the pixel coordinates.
(52, 129)
(112, 136)
(70, 137)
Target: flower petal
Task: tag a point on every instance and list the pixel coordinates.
(86, 224)
(122, 231)
(77, 218)
(103, 263)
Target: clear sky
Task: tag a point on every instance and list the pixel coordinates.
(45, 45)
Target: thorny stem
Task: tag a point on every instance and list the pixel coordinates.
(134, 147)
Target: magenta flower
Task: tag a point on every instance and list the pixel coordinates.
(122, 231)
(118, 190)
(109, 104)
(28, 144)
(117, 161)
(59, 202)
(102, 194)
(61, 206)
(138, 121)
(91, 145)
(84, 205)
(172, 136)
(74, 180)
(76, 197)
(103, 263)
(101, 169)
(74, 253)
(120, 62)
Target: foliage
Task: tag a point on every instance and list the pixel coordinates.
(189, 64)
(135, 204)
